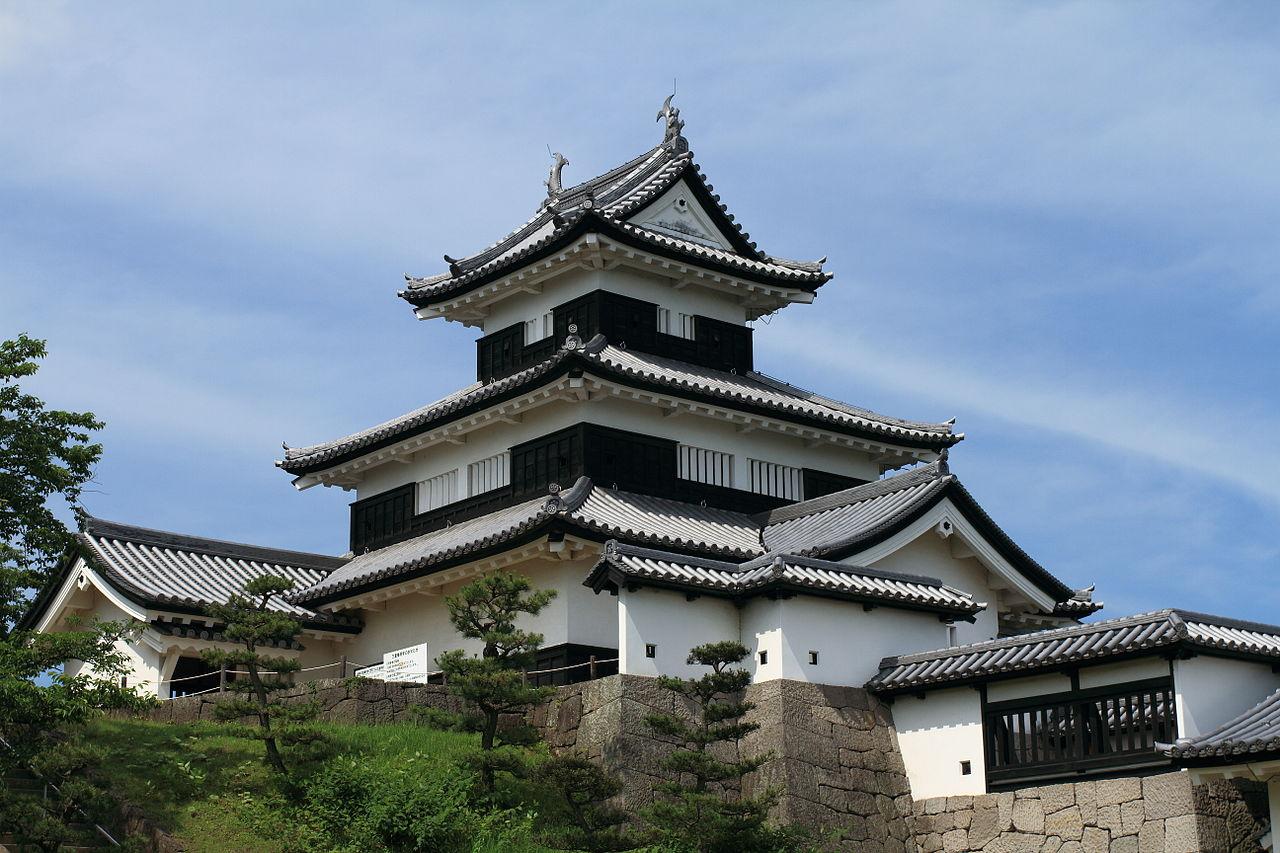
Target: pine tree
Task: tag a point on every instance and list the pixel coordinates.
(250, 622)
(495, 683)
(694, 815)
(46, 460)
(590, 822)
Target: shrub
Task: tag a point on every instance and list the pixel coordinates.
(413, 805)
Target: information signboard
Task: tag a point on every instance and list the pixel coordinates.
(408, 664)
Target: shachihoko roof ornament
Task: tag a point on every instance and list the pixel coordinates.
(554, 187)
(673, 131)
(605, 205)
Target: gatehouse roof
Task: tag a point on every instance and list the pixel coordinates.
(1052, 649)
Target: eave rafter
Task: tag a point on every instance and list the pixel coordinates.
(512, 411)
(595, 251)
(564, 548)
(590, 388)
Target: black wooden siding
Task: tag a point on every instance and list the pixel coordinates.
(624, 321)
(612, 458)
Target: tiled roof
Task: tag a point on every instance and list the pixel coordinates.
(606, 201)
(583, 507)
(297, 459)
(674, 524)
(1255, 732)
(843, 523)
(431, 549)
(643, 520)
(750, 391)
(846, 517)
(755, 389)
(165, 569)
(628, 564)
(1074, 645)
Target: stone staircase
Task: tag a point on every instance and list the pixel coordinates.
(24, 782)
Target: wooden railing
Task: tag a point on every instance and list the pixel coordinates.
(1085, 731)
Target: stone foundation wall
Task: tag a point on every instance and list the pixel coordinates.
(1163, 813)
(836, 764)
(341, 701)
(837, 769)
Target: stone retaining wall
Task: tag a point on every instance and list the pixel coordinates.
(1163, 813)
(351, 700)
(835, 765)
(837, 769)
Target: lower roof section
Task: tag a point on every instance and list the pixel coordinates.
(1252, 736)
(776, 574)
(176, 572)
(837, 526)
(1165, 631)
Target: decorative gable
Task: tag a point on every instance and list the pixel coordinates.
(678, 213)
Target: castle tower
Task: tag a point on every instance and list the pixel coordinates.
(616, 400)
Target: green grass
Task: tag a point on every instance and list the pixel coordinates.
(214, 792)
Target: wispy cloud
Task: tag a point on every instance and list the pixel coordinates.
(1190, 435)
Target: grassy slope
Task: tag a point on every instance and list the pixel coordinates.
(213, 791)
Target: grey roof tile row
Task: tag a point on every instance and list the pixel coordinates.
(628, 564)
(583, 507)
(386, 564)
(612, 197)
(602, 514)
(166, 569)
(750, 389)
(420, 419)
(844, 518)
(1056, 647)
(1255, 732)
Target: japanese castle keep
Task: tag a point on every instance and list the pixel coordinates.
(619, 445)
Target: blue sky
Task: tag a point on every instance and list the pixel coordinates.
(1056, 222)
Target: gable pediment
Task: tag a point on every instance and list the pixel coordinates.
(678, 213)
(947, 526)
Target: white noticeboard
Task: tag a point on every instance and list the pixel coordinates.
(409, 664)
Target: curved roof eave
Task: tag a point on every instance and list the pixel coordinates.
(590, 359)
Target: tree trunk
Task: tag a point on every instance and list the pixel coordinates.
(264, 720)
(487, 738)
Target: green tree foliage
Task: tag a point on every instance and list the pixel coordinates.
(494, 683)
(589, 822)
(418, 804)
(700, 812)
(250, 622)
(65, 807)
(45, 457)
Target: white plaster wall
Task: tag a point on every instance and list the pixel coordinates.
(1129, 670)
(761, 622)
(674, 625)
(935, 734)
(141, 660)
(645, 418)
(575, 615)
(664, 209)
(637, 284)
(1273, 804)
(850, 641)
(1033, 685)
(930, 555)
(1212, 690)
